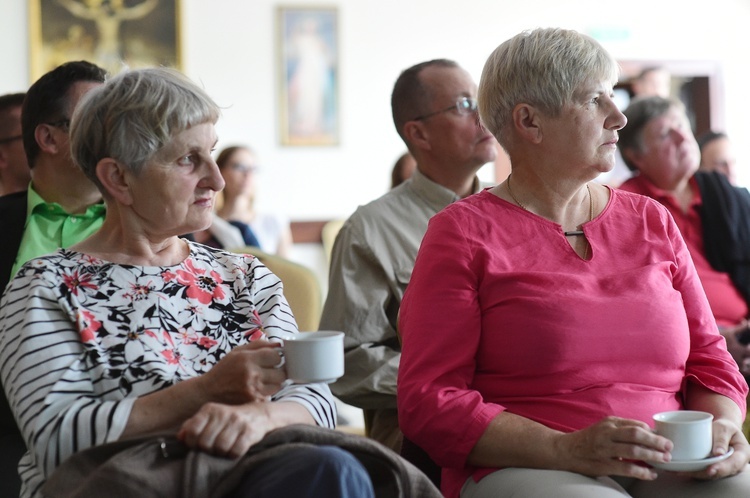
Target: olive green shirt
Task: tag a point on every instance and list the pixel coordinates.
(371, 264)
(48, 227)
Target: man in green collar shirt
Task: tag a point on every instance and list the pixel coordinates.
(49, 226)
(60, 208)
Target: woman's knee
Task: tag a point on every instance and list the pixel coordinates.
(529, 483)
(309, 472)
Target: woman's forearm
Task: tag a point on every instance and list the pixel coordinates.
(167, 408)
(612, 446)
(700, 398)
(512, 440)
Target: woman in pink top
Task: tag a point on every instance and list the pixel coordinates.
(548, 318)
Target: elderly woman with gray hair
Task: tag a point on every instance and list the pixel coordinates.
(136, 330)
(550, 317)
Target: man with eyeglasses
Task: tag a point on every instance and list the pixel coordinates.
(434, 111)
(14, 170)
(60, 208)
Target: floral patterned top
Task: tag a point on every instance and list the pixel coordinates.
(82, 338)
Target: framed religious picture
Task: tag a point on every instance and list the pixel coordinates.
(309, 75)
(113, 34)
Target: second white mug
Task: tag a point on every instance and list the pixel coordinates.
(689, 431)
(314, 357)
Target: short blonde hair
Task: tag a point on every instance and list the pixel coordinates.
(133, 115)
(543, 68)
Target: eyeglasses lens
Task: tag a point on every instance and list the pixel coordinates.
(466, 105)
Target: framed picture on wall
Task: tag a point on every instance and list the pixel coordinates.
(308, 86)
(110, 33)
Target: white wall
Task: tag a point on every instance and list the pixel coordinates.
(229, 46)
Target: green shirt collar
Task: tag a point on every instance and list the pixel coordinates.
(49, 227)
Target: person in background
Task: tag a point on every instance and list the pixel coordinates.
(652, 81)
(60, 206)
(403, 169)
(14, 170)
(136, 330)
(717, 154)
(550, 317)
(239, 168)
(434, 111)
(712, 215)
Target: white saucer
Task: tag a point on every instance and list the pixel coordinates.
(691, 465)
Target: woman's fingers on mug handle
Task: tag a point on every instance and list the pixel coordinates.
(282, 358)
(722, 436)
(269, 357)
(258, 344)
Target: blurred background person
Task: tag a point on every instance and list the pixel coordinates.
(434, 111)
(712, 215)
(717, 155)
(239, 168)
(403, 169)
(14, 169)
(60, 206)
(136, 330)
(652, 81)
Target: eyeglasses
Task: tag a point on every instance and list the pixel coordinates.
(10, 139)
(464, 106)
(63, 124)
(243, 168)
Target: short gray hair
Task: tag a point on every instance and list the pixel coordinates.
(133, 115)
(543, 68)
(640, 112)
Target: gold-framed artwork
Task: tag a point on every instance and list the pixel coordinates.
(113, 34)
(308, 58)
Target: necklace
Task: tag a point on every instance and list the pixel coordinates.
(570, 233)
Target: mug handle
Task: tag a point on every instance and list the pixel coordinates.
(282, 359)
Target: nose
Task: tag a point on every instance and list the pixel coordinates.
(213, 179)
(679, 134)
(617, 120)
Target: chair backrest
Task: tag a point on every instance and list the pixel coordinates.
(301, 287)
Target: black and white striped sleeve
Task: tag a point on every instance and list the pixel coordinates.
(48, 386)
(278, 321)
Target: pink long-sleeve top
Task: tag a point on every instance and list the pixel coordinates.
(502, 314)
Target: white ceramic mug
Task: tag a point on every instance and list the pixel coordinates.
(314, 357)
(689, 431)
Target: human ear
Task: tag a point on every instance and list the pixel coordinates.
(45, 139)
(527, 122)
(417, 134)
(115, 179)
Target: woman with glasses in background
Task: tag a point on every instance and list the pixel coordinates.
(239, 168)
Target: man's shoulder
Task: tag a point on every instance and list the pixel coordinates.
(13, 210)
(12, 220)
(400, 199)
(13, 201)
